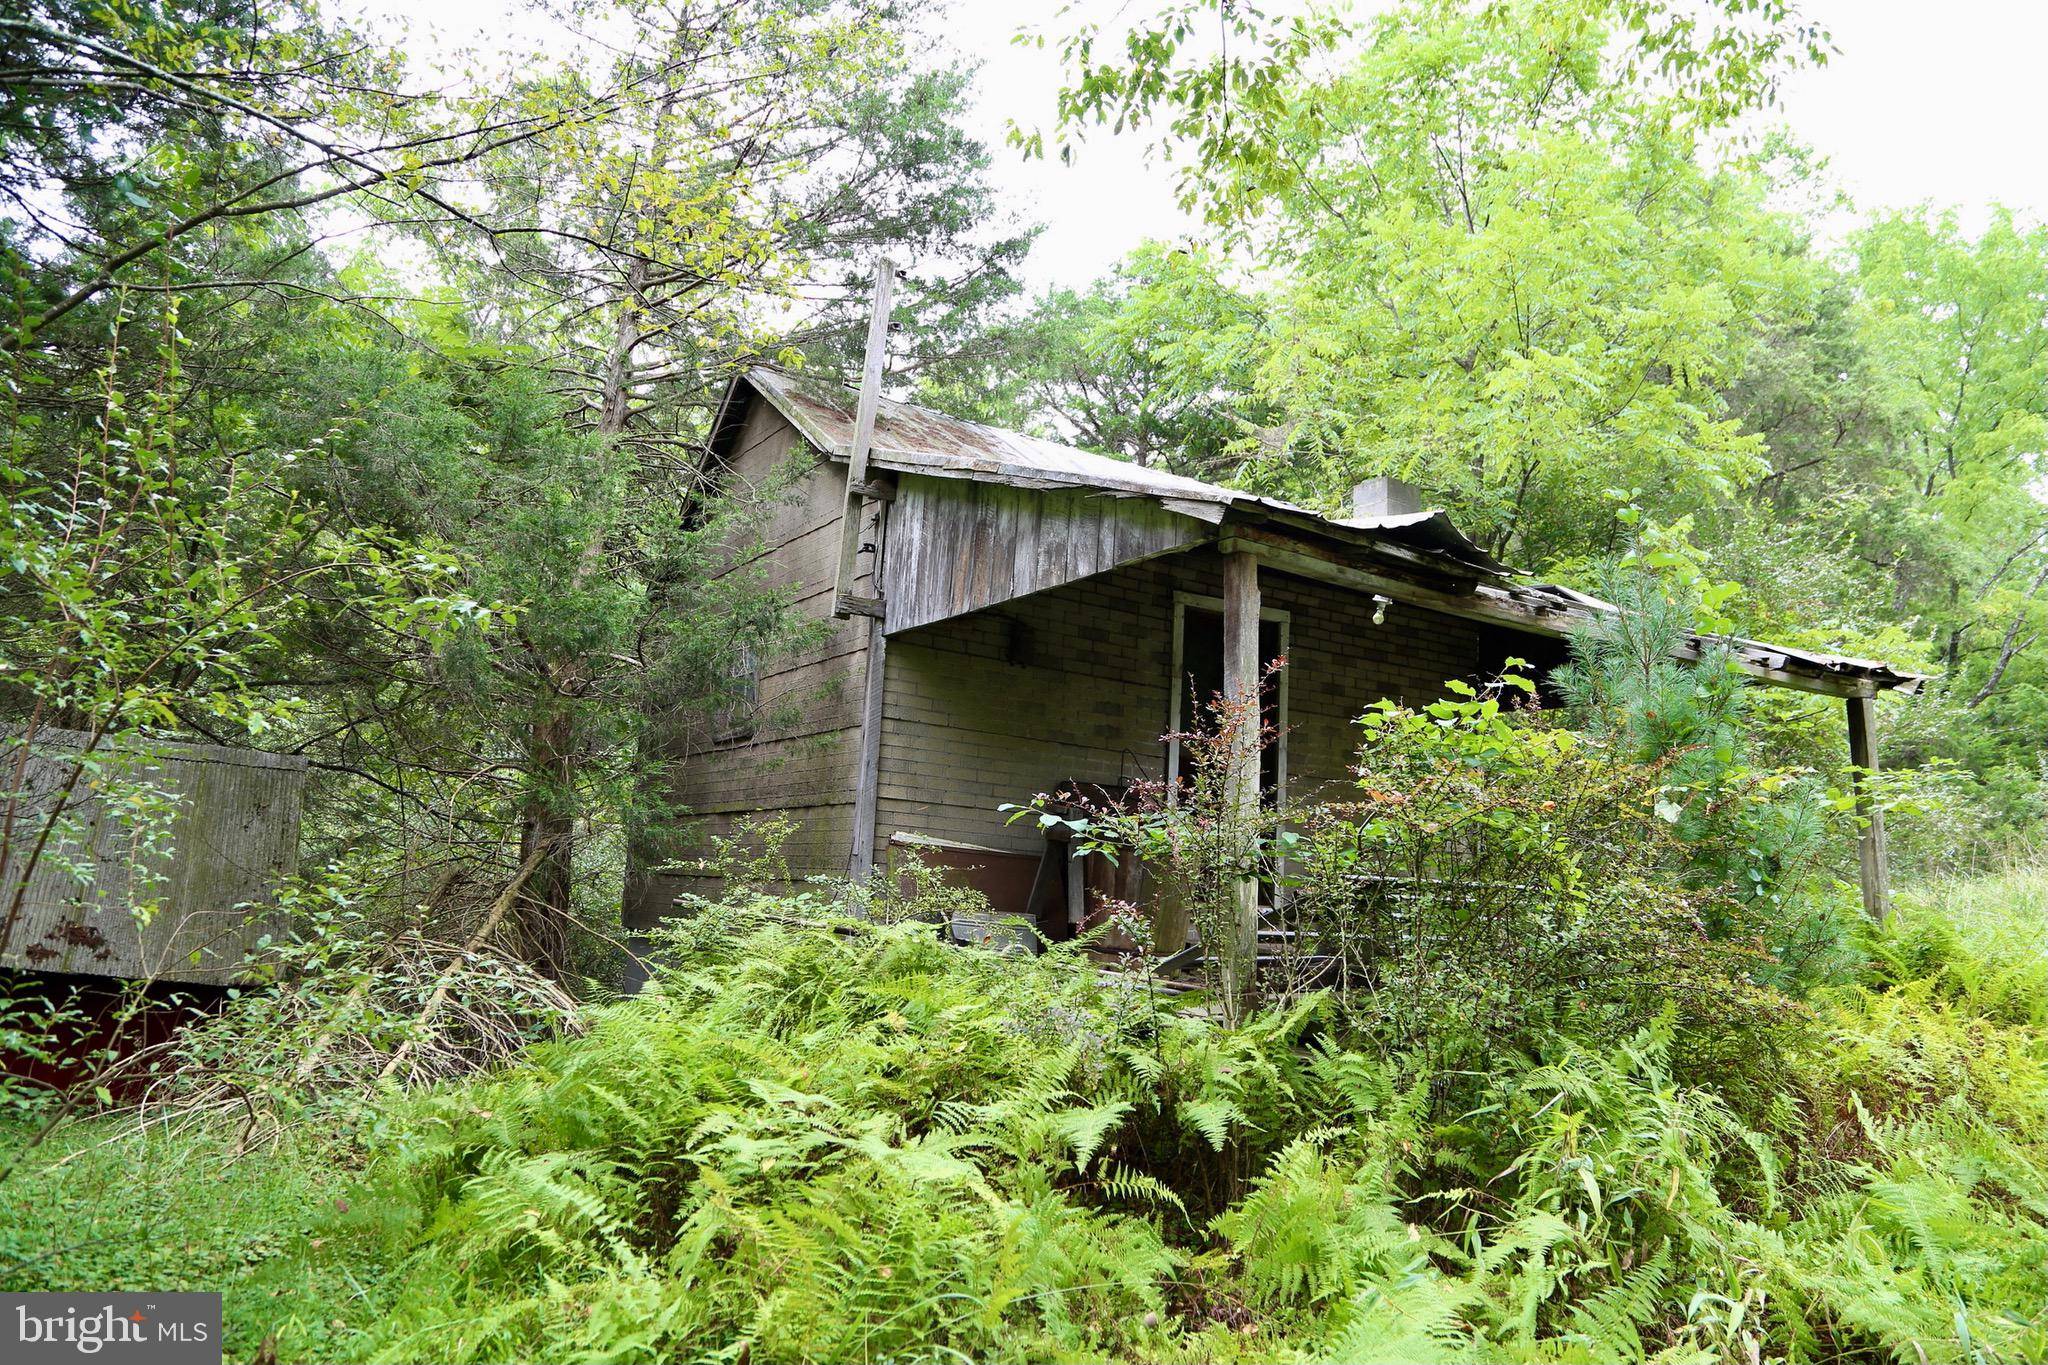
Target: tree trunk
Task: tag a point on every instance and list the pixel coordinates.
(548, 819)
(547, 830)
(2010, 647)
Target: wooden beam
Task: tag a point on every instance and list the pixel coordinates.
(863, 437)
(845, 602)
(1874, 866)
(1493, 605)
(1296, 558)
(1241, 789)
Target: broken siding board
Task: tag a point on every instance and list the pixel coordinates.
(960, 546)
(804, 561)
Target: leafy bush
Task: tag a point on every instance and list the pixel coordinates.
(1503, 881)
(1755, 836)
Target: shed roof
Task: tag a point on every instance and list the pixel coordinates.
(1456, 575)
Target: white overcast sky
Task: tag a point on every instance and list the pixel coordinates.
(1924, 103)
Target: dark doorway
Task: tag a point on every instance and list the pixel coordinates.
(1200, 682)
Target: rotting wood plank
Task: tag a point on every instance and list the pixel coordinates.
(864, 424)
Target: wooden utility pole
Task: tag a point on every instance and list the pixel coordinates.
(845, 602)
(1874, 861)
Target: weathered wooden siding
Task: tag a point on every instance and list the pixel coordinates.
(1074, 683)
(956, 545)
(212, 872)
(799, 759)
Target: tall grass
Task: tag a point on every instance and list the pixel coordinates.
(1983, 938)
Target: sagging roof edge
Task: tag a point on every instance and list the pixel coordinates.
(989, 454)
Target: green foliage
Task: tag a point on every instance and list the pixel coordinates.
(1503, 882)
(1118, 368)
(1544, 1091)
(1753, 834)
(1487, 264)
(1520, 254)
(356, 412)
(827, 1144)
(833, 1141)
(1312, 1230)
(300, 1250)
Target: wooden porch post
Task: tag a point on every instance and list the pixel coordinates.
(1241, 680)
(868, 755)
(1875, 868)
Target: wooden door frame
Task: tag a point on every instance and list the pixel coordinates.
(1280, 615)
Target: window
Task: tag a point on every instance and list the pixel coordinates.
(734, 720)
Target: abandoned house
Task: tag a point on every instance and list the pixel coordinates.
(1009, 615)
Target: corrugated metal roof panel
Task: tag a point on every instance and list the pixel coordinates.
(231, 837)
(914, 439)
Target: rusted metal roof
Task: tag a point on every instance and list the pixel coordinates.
(1760, 657)
(917, 440)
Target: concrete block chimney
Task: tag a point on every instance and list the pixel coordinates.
(1385, 496)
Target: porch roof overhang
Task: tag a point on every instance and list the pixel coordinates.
(1420, 558)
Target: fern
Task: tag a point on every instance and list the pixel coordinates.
(1307, 1232)
(1417, 1317)
(814, 1145)
(1213, 1119)
(1608, 1325)
(1086, 1128)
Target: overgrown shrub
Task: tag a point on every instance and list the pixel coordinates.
(846, 1141)
(851, 1141)
(1753, 836)
(1502, 881)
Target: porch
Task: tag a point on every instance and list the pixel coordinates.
(1079, 684)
